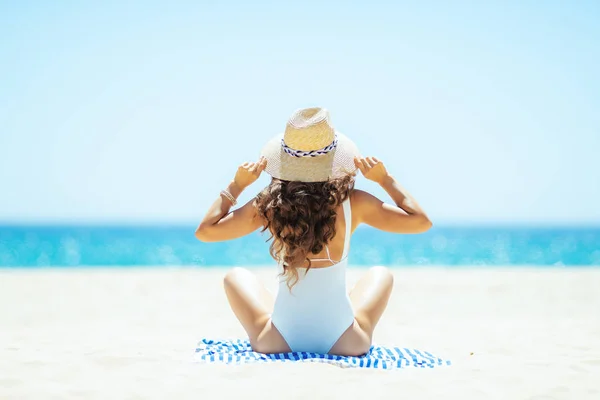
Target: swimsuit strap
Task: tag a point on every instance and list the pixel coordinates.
(324, 259)
(348, 219)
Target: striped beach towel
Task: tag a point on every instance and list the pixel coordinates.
(238, 351)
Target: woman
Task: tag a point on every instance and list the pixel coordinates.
(313, 169)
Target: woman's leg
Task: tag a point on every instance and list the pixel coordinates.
(369, 298)
(252, 304)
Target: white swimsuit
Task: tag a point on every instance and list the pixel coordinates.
(317, 311)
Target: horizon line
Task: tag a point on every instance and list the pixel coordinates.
(182, 224)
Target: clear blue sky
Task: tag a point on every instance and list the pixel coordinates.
(485, 111)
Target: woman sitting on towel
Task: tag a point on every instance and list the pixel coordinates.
(313, 169)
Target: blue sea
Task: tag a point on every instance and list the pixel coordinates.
(88, 246)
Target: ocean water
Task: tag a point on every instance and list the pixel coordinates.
(72, 246)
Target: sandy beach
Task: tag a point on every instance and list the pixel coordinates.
(511, 333)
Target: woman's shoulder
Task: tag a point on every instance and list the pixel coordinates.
(358, 197)
(363, 202)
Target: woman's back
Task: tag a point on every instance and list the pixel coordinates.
(313, 313)
(336, 249)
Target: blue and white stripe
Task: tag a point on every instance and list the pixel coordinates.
(238, 351)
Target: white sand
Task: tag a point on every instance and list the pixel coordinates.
(130, 334)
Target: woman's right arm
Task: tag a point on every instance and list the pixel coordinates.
(405, 217)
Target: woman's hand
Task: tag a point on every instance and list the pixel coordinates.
(248, 173)
(371, 168)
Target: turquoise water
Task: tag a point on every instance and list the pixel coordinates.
(45, 246)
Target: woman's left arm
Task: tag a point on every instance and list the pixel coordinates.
(219, 223)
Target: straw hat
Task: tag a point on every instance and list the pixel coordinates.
(310, 149)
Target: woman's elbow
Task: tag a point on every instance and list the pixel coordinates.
(203, 233)
(427, 224)
(422, 224)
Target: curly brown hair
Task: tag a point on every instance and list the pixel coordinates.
(300, 217)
